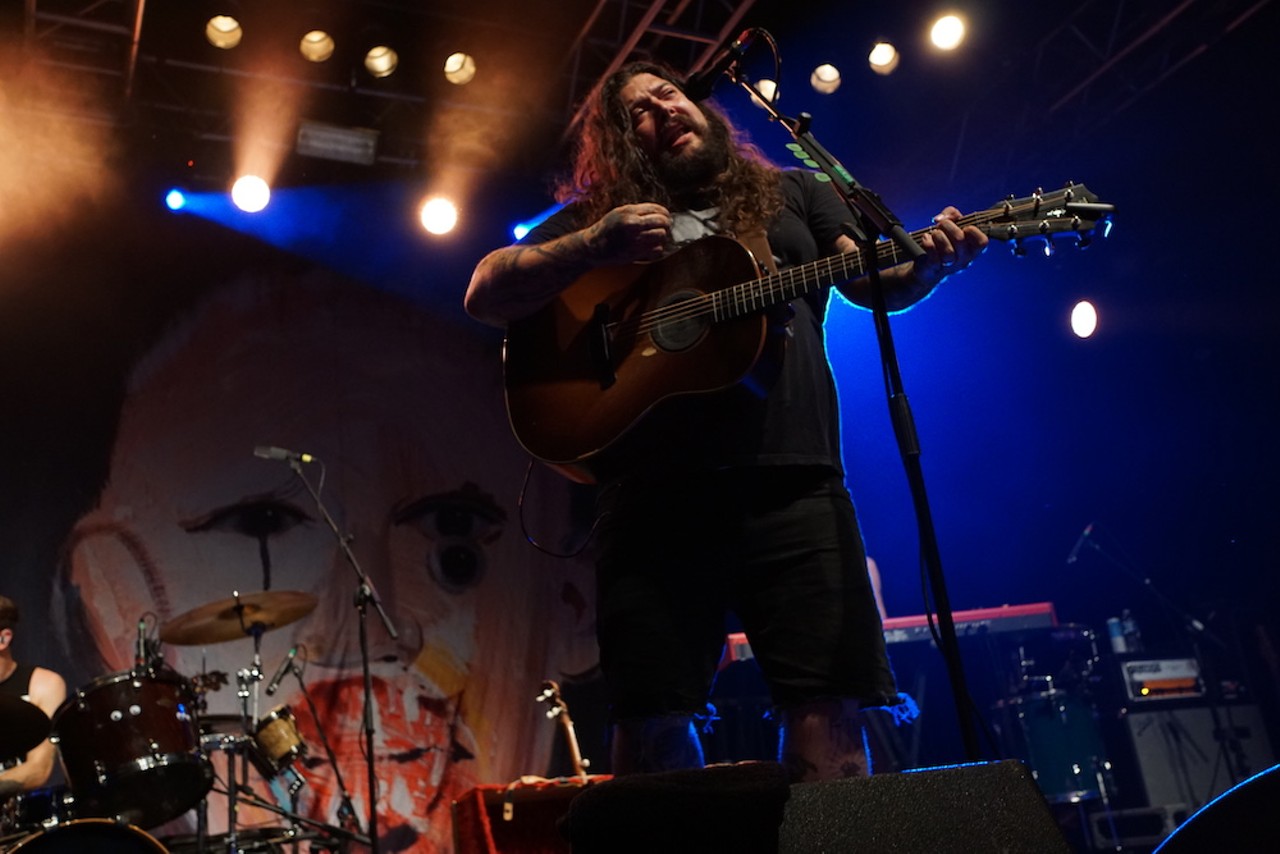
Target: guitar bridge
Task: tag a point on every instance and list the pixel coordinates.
(600, 345)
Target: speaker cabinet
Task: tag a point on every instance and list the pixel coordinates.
(1183, 758)
(983, 807)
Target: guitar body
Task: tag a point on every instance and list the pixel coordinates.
(582, 371)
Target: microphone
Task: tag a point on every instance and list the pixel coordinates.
(698, 86)
(140, 648)
(285, 667)
(1084, 536)
(270, 452)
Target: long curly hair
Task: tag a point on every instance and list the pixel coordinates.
(611, 168)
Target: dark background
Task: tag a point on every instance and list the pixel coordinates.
(1159, 430)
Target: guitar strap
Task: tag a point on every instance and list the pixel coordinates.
(757, 244)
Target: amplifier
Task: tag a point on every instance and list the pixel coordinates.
(1161, 679)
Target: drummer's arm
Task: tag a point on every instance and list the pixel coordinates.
(48, 690)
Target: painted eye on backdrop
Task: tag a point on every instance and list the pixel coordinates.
(258, 518)
(457, 525)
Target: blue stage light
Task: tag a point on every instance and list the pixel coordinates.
(519, 230)
(175, 199)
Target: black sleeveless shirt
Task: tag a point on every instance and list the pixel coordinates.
(19, 682)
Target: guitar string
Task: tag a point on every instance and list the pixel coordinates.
(757, 293)
(763, 290)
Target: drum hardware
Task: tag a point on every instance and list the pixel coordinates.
(243, 615)
(30, 812)
(274, 747)
(1058, 657)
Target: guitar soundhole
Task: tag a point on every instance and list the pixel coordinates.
(678, 329)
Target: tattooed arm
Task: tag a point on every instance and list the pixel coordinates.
(516, 281)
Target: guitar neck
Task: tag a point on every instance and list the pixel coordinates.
(794, 282)
(1072, 210)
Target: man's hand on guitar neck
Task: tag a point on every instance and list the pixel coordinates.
(515, 281)
(948, 248)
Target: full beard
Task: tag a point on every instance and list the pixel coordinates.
(690, 176)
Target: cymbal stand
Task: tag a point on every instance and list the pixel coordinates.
(347, 815)
(365, 596)
(247, 681)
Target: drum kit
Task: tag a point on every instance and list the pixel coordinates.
(137, 749)
(1049, 718)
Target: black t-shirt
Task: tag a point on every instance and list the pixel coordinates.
(797, 421)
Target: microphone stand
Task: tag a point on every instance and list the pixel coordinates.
(347, 811)
(902, 247)
(365, 596)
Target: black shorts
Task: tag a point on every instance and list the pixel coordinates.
(779, 547)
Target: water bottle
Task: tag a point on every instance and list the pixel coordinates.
(1129, 628)
(1115, 631)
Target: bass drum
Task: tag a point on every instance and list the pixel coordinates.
(1057, 735)
(97, 835)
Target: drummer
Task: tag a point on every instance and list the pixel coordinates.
(39, 686)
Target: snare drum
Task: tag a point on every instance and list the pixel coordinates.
(277, 742)
(90, 835)
(131, 748)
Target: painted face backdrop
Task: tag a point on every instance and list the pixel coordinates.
(419, 467)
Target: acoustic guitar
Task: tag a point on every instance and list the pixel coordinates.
(596, 362)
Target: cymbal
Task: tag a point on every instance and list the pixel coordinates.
(237, 617)
(22, 726)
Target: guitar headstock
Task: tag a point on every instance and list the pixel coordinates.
(1072, 212)
(550, 695)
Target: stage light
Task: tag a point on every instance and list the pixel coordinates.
(947, 32)
(223, 31)
(883, 58)
(250, 193)
(381, 61)
(519, 230)
(825, 79)
(767, 89)
(316, 46)
(175, 200)
(438, 215)
(459, 69)
(1084, 319)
